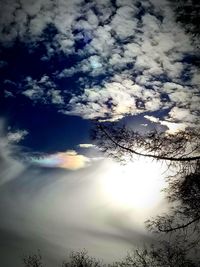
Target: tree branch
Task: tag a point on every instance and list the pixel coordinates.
(179, 227)
(180, 159)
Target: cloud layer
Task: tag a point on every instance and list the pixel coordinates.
(57, 211)
(131, 57)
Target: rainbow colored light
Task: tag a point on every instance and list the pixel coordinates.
(67, 160)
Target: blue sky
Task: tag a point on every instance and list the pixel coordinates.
(64, 65)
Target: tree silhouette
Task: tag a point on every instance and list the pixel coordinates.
(185, 191)
(118, 142)
(76, 259)
(166, 254)
(180, 151)
(33, 260)
(81, 259)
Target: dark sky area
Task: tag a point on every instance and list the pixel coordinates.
(65, 64)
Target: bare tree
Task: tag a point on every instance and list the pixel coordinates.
(180, 151)
(166, 254)
(118, 142)
(185, 192)
(81, 259)
(163, 254)
(33, 260)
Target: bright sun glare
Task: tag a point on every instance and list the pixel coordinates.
(135, 185)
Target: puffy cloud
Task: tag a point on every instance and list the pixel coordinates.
(26, 20)
(16, 136)
(124, 23)
(172, 127)
(114, 101)
(182, 115)
(126, 41)
(156, 51)
(43, 90)
(55, 96)
(93, 65)
(102, 42)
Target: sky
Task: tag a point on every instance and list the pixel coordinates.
(65, 64)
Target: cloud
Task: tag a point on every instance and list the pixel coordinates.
(70, 160)
(40, 207)
(42, 90)
(8, 94)
(183, 115)
(155, 48)
(151, 118)
(28, 19)
(125, 19)
(92, 65)
(140, 45)
(16, 136)
(86, 145)
(114, 101)
(55, 96)
(10, 167)
(173, 127)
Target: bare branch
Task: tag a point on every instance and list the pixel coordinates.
(158, 157)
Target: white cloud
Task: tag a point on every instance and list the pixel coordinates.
(145, 48)
(124, 23)
(182, 115)
(28, 19)
(10, 166)
(86, 145)
(44, 205)
(102, 41)
(56, 98)
(173, 127)
(43, 90)
(114, 101)
(151, 118)
(196, 77)
(69, 160)
(16, 136)
(157, 49)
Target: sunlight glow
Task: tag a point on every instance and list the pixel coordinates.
(136, 185)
